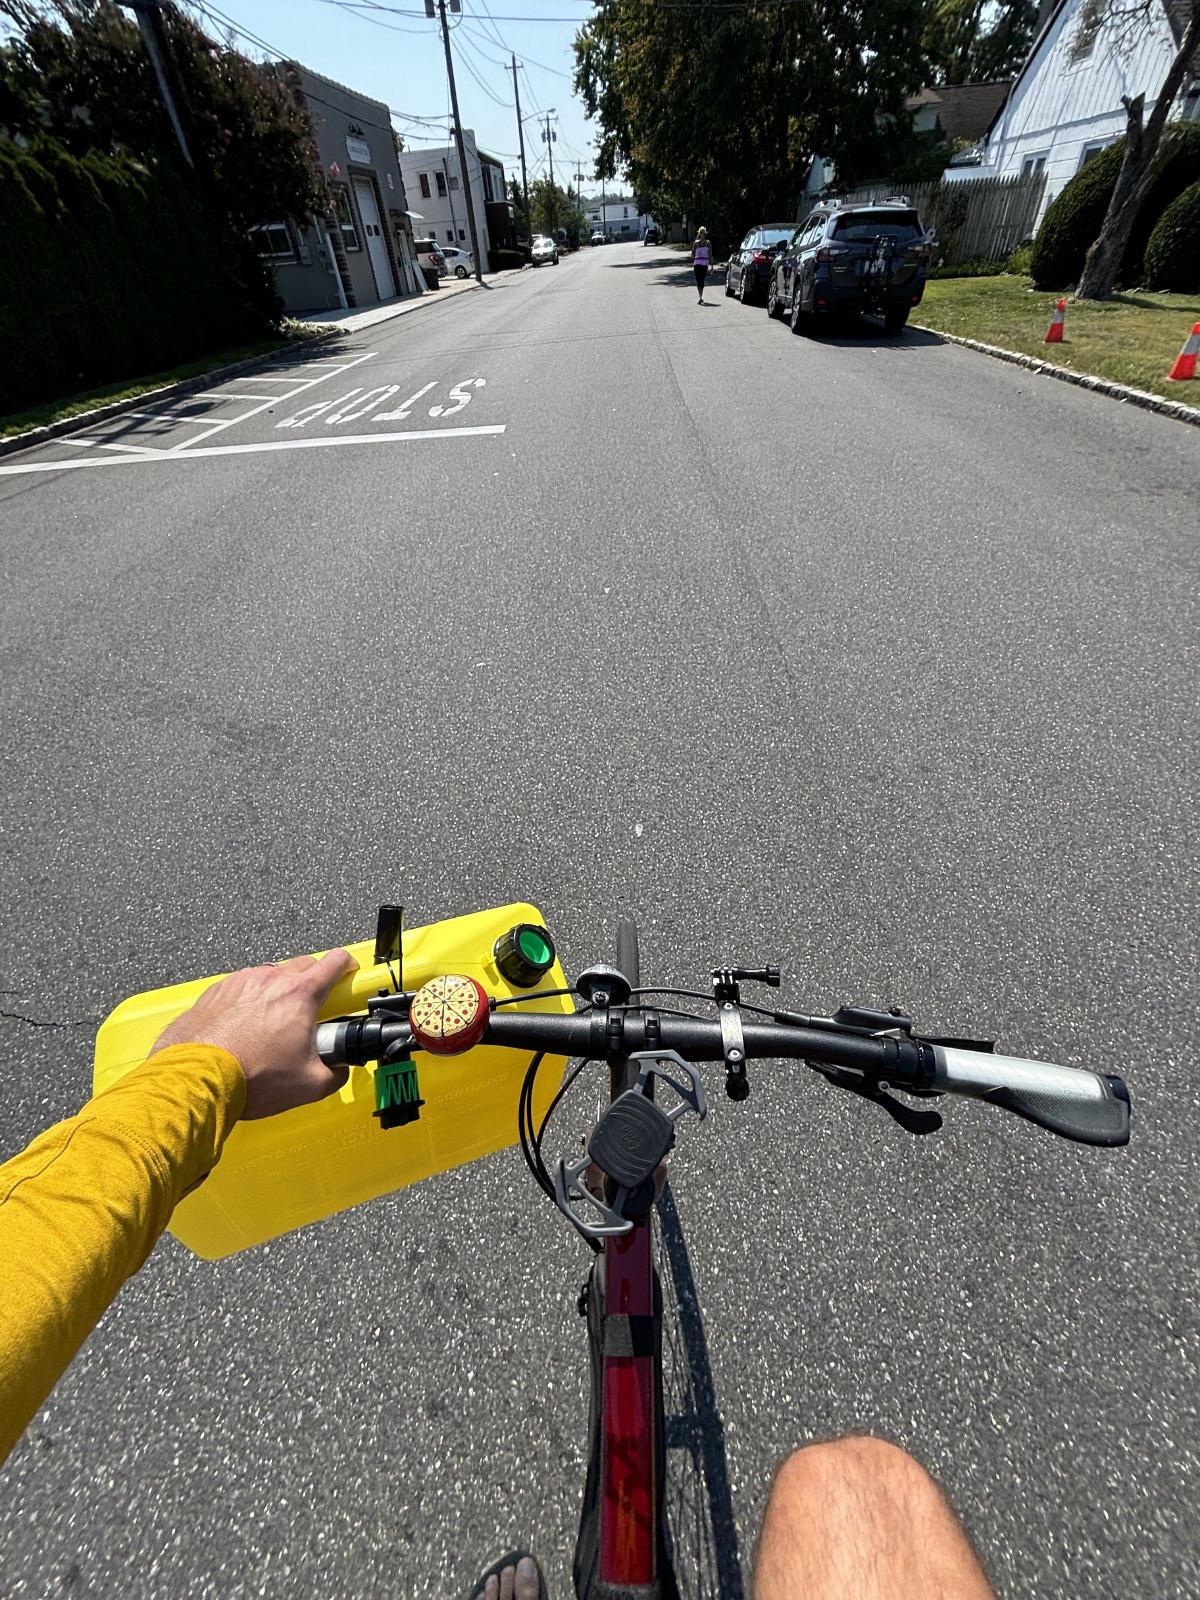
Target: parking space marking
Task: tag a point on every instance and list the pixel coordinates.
(152, 457)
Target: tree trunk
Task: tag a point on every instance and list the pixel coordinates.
(1144, 152)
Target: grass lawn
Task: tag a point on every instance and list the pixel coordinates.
(128, 389)
(1132, 338)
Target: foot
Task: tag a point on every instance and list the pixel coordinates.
(512, 1578)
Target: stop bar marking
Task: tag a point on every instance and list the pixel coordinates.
(334, 441)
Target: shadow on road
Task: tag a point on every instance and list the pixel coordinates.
(699, 1502)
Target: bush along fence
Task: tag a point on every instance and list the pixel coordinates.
(979, 219)
(111, 268)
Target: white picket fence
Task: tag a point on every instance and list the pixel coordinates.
(977, 219)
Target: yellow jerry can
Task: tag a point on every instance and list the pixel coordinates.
(283, 1172)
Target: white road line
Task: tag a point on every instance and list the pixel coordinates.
(233, 394)
(244, 416)
(321, 442)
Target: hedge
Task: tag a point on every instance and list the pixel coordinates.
(113, 268)
(1072, 224)
(1173, 249)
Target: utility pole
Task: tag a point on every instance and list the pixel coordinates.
(149, 15)
(456, 6)
(450, 197)
(521, 140)
(548, 138)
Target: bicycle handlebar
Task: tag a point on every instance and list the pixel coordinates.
(1088, 1107)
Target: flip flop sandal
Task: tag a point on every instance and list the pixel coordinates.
(497, 1567)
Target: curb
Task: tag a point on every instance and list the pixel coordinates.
(1082, 380)
(204, 380)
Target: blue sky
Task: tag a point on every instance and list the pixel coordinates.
(390, 51)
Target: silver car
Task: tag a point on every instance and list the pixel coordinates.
(544, 249)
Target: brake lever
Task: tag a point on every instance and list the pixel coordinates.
(911, 1118)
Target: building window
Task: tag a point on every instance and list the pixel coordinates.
(1033, 166)
(424, 178)
(450, 235)
(624, 211)
(462, 233)
(345, 217)
(1084, 42)
(1087, 153)
(453, 181)
(273, 242)
(441, 182)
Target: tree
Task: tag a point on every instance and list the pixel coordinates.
(1147, 143)
(77, 71)
(717, 109)
(520, 215)
(978, 41)
(553, 208)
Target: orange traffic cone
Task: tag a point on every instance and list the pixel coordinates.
(1185, 361)
(1055, 333)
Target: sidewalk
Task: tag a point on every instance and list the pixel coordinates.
(352, 321)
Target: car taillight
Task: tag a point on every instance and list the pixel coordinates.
(831, 252)
(762, 257)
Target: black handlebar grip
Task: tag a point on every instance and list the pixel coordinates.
(1089, 1107)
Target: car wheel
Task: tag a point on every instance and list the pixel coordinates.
(729, 282)
(461, 272)
(745, 290)
(796, 318)
(774, 306)
(895, 317)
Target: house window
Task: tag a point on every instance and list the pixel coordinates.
(453, 181)
(273, 242)
(441, 182)
(345, 217)
(462, 233)
(487, 183)
(1084, 42)
(1087, 153)
(450, 235)
(624, 211)
(1033, 166)
(424, 178)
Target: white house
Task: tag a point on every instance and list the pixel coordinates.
(433, 184)
(616, 216)
(1065, 105)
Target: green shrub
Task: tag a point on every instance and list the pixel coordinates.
(1018, 264)
(1072, 224)
(111, 268)
(505, 260)
(1173, 249)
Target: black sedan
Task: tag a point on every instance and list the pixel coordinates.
(750, 266)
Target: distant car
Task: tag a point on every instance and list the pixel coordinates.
(650, 236)
(431, 261)
(460, 262)
(871, 257)
(751, 264)
(544, 250)
(597, 236)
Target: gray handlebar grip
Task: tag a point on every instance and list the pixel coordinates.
(1089, 1107)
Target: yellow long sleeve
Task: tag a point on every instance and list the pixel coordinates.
(82, 1206)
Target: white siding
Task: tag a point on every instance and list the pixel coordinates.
(1060, 106)
(443, 215)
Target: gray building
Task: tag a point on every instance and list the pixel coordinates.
(362, 252)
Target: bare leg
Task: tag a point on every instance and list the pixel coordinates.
(858, 1519)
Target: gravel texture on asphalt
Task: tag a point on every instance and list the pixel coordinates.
(872, 657)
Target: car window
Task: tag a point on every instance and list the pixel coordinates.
(775, 235)
(747, 241)
(863, 226)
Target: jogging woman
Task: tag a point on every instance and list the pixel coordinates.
(701, 261)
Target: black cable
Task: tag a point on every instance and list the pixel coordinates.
(542, 994)
(698, 994)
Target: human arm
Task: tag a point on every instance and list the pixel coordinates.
(82, 1206)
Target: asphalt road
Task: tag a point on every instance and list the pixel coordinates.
(876, 658)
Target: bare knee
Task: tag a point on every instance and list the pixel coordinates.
(853, 1463)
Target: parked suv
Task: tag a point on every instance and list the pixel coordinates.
(651, 235)
(430, 260)
(850, 259)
